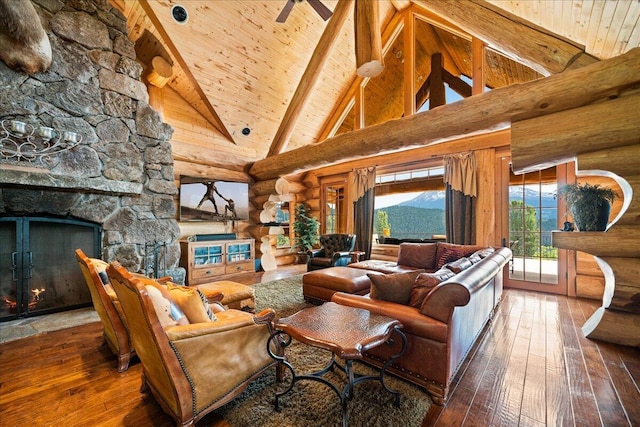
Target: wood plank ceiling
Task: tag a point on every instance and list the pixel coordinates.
(235, 68)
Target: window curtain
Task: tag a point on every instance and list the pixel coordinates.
(364, 185)
(460, 177)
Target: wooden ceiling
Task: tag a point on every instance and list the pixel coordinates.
(235, 68)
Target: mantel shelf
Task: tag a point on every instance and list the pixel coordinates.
(614, 243)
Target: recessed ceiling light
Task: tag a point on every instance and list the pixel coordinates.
(179, 14)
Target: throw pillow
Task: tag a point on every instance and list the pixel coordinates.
(418, 255)
(485, 252)
(458, 265)
(161, 305)
(192, 302)
(474, 258)
(393, 287)
(424, 283)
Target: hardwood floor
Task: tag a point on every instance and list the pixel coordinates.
(533, 367)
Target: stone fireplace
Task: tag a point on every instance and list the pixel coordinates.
(120, 177)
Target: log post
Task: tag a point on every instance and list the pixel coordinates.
(369, 57)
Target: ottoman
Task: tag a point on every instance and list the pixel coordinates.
(236, 295)
(318, 286)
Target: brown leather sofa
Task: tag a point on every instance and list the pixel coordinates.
(443, 330)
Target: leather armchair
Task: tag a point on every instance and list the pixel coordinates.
(104, 299)
(335, 251)
(194, 368)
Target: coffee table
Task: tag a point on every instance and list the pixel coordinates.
(345, 331)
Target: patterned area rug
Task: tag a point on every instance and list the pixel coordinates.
(310, 403)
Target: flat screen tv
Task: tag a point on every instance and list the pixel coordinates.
(210, 200)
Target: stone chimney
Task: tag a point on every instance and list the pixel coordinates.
(121, 175)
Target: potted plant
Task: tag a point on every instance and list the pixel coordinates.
(590, 205)
(306, 229)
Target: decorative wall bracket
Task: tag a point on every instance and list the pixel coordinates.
(21, 141)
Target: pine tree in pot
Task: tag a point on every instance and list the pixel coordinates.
(306, 230)
(590, 205)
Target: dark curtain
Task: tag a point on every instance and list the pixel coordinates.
(460, 218)
(461, 189)
(363, 222)
(363, 183)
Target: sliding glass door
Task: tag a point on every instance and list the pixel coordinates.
(532, 215)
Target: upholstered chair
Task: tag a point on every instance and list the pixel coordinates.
(191, 369)
(335, 251)
(106, 305)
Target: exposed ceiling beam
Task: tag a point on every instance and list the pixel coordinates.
(321, 53)
(477, 114)
(504, 32)
(185, 68)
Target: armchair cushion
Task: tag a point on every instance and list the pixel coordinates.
(393, 287)
(192, 302)
(162, 306)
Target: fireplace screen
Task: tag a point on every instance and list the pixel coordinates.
(38, 270)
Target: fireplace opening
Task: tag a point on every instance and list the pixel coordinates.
(38, 270)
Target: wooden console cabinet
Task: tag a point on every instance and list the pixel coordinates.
(211, 260)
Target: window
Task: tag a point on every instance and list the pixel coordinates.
(283, 213)
(410, 205)
(334, 207)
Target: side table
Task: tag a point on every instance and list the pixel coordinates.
(345, 331)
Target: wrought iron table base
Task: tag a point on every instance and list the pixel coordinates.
(353, 378)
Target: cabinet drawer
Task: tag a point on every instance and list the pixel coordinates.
(200, 273)
(239, 266)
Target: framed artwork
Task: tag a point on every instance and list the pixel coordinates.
(210, 200)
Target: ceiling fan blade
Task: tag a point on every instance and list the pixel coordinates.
(284, 14)
(324, 12)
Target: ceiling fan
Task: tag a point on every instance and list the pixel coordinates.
(322, 10)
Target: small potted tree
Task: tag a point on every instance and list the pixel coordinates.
(306, 230)
(590, 205)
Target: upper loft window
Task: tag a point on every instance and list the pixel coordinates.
(410, 175)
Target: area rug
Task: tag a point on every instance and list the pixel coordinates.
(311, 404)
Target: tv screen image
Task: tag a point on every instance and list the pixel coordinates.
(209, 200)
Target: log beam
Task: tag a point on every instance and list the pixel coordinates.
(544, 141)
(477, 114)
(310, 76)
(506, 33)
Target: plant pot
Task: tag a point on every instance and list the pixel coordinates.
(589, 219)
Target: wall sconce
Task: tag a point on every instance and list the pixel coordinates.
(24, 142)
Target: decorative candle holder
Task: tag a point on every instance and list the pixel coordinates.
(22, 141)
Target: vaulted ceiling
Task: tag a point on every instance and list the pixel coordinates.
(291, 84)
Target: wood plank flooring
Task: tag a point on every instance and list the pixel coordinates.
(533, 367)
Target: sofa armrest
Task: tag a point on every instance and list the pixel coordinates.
(412, 320)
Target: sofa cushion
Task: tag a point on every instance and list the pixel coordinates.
(393, 287)
(424, 283)
(484, 252)
(459, 265)
(192, 302)
(418, 255)
(448, 252)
